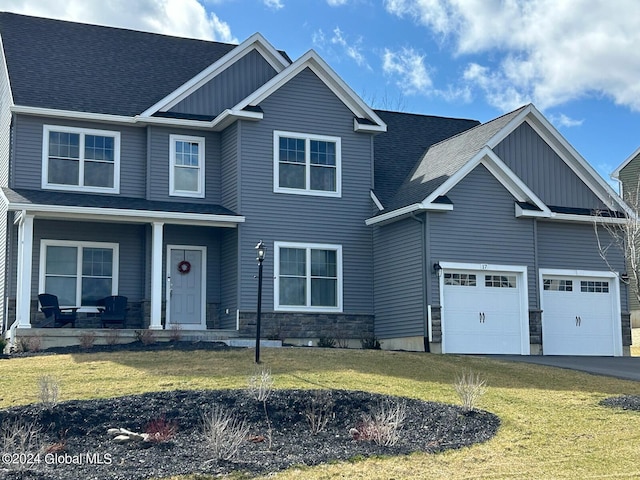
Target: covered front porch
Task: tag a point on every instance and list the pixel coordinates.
(167, 258)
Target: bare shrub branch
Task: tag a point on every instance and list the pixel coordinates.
(470, 387)
(223, 432)
(49, 389)
(20, 437)
(319, 411)
(383, 425)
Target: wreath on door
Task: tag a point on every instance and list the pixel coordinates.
(184, 267)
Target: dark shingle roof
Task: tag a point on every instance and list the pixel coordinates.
(90, 68)
(407, 138)
(44, 197)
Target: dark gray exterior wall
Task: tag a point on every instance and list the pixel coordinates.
(159, 164)
(229, 87)
(630, 181)
(398, 270)
(544, 172)
(482, 228)
(306, 105)
(229, 277)
(27, 162)
(229, 188)
(5, 149)
(574, 246)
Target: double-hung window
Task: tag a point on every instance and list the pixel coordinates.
(308, 277)
(80, 159)
(307, 164)
(78, 273)
(186, 170)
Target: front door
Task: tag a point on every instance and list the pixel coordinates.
(186, 287)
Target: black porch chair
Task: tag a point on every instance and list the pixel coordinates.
(113, 311)
(55, 316)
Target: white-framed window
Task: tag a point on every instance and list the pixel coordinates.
(186, 169)
(306, 164)
(78, 273)
(80, 159)
(308, 277)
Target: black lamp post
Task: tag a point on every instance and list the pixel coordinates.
(261, 250)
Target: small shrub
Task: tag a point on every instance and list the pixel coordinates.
(161, 430)
(28, 344)
(3, 343)
(327, 342)
(49, 390)
(383, 425)
(470, 387)
(19, 437)
(112, 337)
(319, 411)
(146, 337)
(223, 432)
(175, 334)
(370, 343)
(87, 339)
(261, 385)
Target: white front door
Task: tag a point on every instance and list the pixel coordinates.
(186, 287)
(484, 311)
(580, 314)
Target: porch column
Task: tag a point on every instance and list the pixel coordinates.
(25, 264)
(156, 276)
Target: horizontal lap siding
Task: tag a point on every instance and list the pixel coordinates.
(131, 247)
(482, 228)
(399, 295)
(540, 167)
(229, 168)
(575, 246)
(27, 164)
(229, 87)
(5, 123)
(630, 178)
(159, 164)
(229, 277)
(306, 105)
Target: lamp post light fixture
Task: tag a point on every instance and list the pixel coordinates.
(261, 251)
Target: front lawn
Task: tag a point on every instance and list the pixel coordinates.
(552, 423)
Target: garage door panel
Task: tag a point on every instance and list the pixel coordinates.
(482, 312)
(578, 315)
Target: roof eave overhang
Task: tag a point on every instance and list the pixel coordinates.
(125, 215)
(400, 213)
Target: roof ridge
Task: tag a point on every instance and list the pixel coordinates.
(423, 115)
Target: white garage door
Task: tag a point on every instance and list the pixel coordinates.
(483, 311)
(580, 315)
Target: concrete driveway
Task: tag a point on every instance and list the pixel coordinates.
(627, 368)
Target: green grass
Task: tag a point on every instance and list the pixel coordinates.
(552, 425)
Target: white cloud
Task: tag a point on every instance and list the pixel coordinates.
(186, 18)
(409, 69)
(562, 120)
(353, 50)
(337, 3)
(544, 51)
(274, 4)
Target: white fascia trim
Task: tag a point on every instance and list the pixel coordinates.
(127, 215)
(616, 173)
(521, 212)
(6, 73)
(395, 213)
(313, 61)
(505, 131)
(360, 127)
(254, 42)
(499, 170)
(568, 217)
(377, 202)
(52, 112)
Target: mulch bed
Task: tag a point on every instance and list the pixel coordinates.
(80, 428)
(626, 402)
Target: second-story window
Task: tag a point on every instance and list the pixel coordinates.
(80, 159)
(186, 170)
(307, 164)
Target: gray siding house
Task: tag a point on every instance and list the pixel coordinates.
(152, 168)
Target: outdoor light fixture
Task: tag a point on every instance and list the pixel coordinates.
(437, 269)
(261, 251)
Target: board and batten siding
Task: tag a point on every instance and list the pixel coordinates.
(575, 246)
(129, 237)
(398, 283)
(27, 162)
(159, 164)
(229, 87)
(544, 172)
(306, 105)
(482, 229)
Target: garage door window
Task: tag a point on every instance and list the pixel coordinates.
(558, 285)
(460, 279)
(500, 281)
(594, 287)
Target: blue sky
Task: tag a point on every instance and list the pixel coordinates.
(578, 61)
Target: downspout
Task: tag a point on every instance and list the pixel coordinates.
(423, 253)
